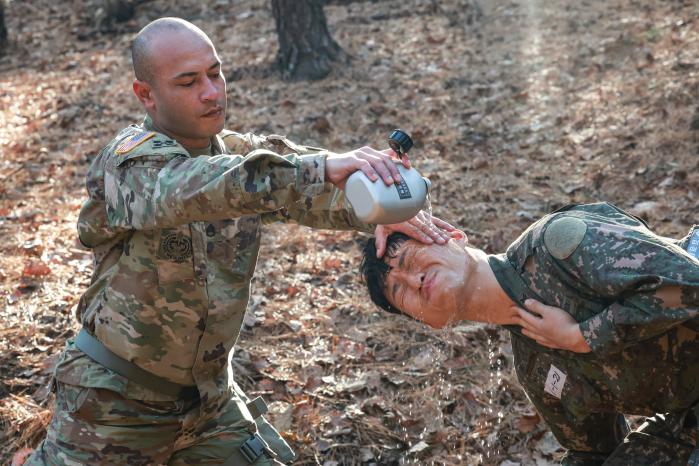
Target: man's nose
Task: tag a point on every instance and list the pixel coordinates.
(210, 91)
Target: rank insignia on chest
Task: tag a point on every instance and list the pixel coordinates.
(134, 141)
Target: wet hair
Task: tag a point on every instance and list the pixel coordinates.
(375, 270)
(141, 46)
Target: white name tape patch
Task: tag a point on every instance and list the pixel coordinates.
(555, 381)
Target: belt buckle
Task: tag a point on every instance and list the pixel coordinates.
(253, 448)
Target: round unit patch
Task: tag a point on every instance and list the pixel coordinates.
(176, 247)
(563, 236)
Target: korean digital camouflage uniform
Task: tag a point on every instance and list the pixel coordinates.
(175, 239)
(605, 268)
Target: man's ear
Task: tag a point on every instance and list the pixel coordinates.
(144, 93)
(460, 237)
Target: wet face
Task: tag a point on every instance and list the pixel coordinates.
(187, 95)
(428, 282)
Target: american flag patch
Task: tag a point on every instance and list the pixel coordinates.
(134, 141)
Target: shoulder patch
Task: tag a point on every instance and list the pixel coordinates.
(563, 236)
(134, 141)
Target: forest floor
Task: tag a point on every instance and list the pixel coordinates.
(516, 110)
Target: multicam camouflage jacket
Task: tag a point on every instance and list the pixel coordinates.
(636, 296)
(175, 239)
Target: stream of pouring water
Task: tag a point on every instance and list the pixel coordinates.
(435, 398)
(494, 413)
(427, 207)
(493, 416)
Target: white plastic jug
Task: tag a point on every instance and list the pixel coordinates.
(374, 202)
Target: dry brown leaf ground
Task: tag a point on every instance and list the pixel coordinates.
(516, 111)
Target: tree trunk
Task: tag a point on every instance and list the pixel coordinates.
(112, 12)
(306, 48)
(3, 29)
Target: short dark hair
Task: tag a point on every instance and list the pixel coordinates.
(375, 270)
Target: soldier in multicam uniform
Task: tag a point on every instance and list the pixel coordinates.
(174, 222)
(611, 325)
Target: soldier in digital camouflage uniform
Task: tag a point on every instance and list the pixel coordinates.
(174, 222)
(611, 327)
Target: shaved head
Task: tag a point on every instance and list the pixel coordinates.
(179, 81)
(161, 32)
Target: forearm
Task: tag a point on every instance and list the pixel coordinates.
(639, 318)
(329, 210)
(650, 285)
(184, 190)
(238, 143)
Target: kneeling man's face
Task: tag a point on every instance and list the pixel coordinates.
(427, 281)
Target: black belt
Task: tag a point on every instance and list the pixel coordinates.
(92, 347)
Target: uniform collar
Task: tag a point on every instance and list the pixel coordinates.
(510, 280)
(148, 124)
(217, 145)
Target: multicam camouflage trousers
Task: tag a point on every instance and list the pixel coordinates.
(94, 426)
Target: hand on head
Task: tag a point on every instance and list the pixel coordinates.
(423, 227)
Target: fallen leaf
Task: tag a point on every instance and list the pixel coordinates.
(292, 291)
(281, 414)
(528, 422)
(322, 125)
(36, 269)
(419, 447)
(332, 263)
(548, 444)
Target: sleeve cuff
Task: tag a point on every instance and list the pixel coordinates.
(599, 332)
(310, 179)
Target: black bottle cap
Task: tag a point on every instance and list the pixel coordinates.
(400, 142)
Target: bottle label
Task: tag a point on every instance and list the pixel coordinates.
(403, 190)
(693, 246)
